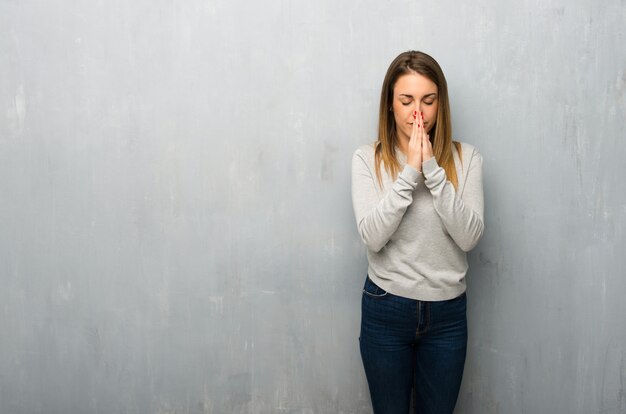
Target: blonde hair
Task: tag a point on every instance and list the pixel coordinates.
(441, 132)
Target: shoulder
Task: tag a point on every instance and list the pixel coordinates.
(365, 152)
(469, 152)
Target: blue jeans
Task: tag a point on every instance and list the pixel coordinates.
(412, 346)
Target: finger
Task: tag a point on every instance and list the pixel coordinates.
(421, 130)
(428, 147)
(418, 131)
(414, 130)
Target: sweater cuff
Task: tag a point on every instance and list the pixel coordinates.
(429, 166)
(410, 174)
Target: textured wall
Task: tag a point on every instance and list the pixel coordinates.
(176, 231)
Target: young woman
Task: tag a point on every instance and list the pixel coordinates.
(418, 202)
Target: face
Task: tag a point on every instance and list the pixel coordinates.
(414, 92)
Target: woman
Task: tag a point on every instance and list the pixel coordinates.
(418, 202)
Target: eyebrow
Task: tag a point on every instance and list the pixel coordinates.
(425, 96)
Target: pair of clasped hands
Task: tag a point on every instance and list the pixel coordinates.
(420, 148)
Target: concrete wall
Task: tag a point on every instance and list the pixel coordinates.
(176, 230)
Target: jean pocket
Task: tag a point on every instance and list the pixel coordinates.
(371, 289)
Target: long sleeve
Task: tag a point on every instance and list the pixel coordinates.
(378, 218)
(462, 215)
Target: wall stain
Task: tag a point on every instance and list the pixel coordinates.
(327, 171)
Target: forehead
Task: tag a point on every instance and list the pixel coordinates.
(414, 84)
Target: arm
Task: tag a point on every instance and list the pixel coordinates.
(462, 216)
(378, 220)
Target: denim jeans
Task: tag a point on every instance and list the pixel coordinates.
(412, 348)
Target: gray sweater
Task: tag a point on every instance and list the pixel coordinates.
(418, 229)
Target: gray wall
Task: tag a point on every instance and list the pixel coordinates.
(176, 230)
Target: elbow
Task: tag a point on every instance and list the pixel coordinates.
(374, 244)
(375, 247)
(470, 242)
(467, 247)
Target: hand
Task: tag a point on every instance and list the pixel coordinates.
(427, 147)
(414, 154)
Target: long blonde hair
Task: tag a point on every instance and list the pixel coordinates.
(441, 132)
